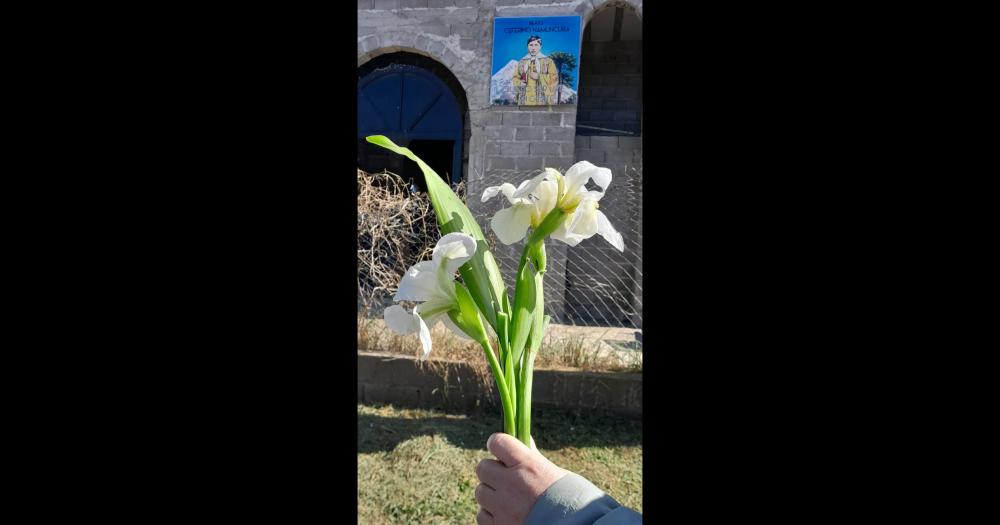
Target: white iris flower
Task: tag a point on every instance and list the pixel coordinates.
(432, 284)
(534, 198)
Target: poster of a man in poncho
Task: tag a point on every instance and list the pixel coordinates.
(535, 61)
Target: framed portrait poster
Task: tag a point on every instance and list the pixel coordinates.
(536, 61)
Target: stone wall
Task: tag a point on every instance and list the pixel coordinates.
(504, 144)
(405, 381)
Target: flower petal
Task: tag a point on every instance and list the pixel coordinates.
(401, 321)
(606, 230)
(577, 175)
(425, 337)
(528, 187)
(506, 188)
(418, 284)
(434, 309)
(562, 234)
(453, 250)
(429, 314)
(547, 194)
(584, 221)
(579, 225)
(511, 224)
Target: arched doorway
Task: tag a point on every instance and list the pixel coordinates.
(610, 97)
(417, 103)
(604, 287)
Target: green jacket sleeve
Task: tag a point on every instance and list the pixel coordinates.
(575, 501)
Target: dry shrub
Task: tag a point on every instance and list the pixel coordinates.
(396, 229)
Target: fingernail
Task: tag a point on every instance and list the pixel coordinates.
(490, 440)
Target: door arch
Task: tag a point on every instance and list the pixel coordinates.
(414, 108)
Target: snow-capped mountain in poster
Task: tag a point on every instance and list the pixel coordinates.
(501, 87)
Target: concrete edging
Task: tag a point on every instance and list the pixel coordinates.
(405, 381)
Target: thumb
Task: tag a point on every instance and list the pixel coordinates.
(508, 449)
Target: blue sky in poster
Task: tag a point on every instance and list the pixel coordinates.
(559, 33)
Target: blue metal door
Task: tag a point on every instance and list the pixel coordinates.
(407, 103)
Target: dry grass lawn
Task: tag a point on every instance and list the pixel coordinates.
(418, 466)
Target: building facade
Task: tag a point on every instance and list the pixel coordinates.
(443, 48)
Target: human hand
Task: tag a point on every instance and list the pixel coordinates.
(510, 487)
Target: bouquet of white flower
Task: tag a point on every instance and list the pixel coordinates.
(549, 205)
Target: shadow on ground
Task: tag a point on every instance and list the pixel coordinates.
(552, 429)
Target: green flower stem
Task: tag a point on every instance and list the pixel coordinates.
(511, 381)
(524, 400)
(537, 254)
(509, 423)
(503, 322)
(548, 225)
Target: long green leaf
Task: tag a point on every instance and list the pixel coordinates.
(481, 274)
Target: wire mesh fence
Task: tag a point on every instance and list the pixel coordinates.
(591, 286)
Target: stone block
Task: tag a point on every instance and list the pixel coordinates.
(618, 158)
(366, 44)
(627, 68)
(613, 104)
(435, 29)
(546, 119)
(595, 156)
(528, 133)
(560, 163)
(545, 149)
(404, 396)
(440, 3)
(616, 80)
(491, 118)
(604, 143)
(627, 92)
(526, 164)
(602, 115)
(630, 142)
(500, 163)
(386, 4)
(515, 149)
(604, 68)
(626, 116)
(516, 118)
(499, 132)
(469, 30)
(436, 49)
(581, 142)
(559, 134)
